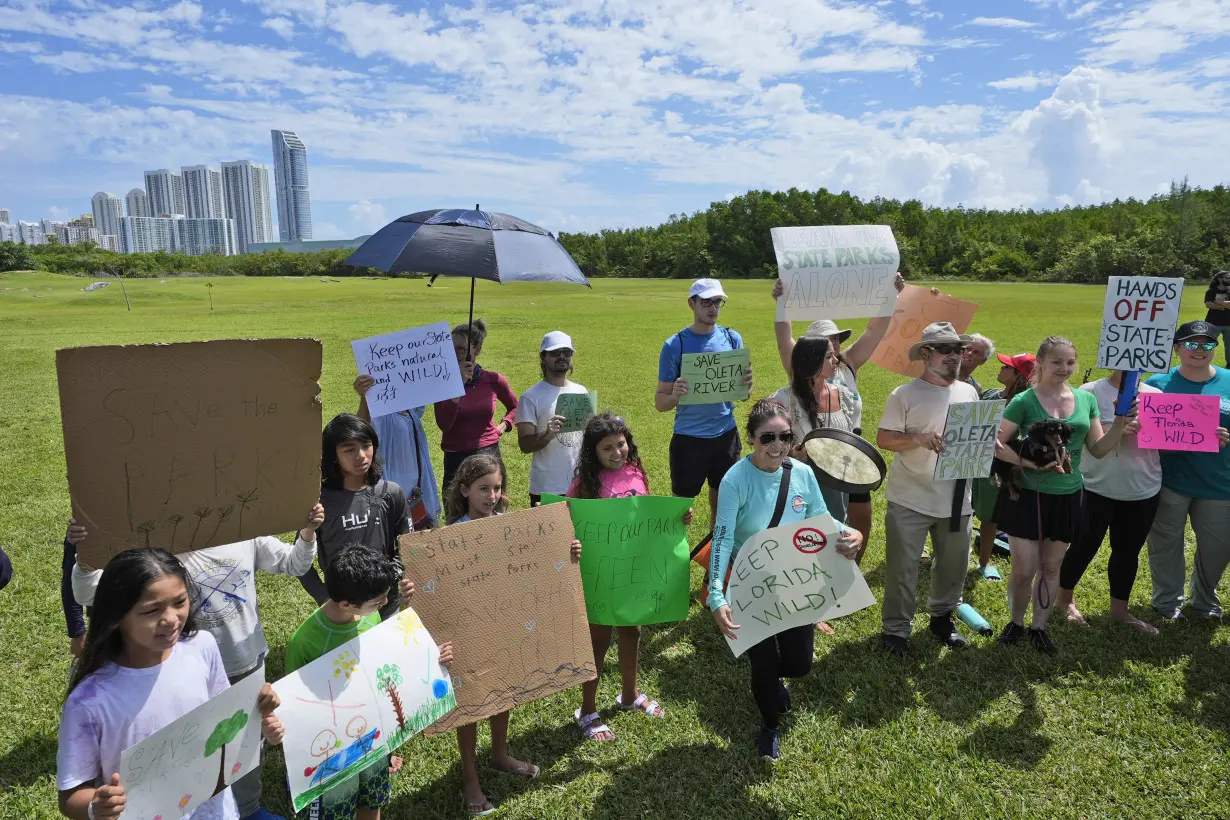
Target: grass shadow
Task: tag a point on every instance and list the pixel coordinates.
(31, 759)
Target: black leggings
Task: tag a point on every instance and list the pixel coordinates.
(785, 655)
(1129, 523)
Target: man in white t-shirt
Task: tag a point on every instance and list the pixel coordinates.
(912, 427)
(553, 454)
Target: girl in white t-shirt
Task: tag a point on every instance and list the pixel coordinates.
(145, 665)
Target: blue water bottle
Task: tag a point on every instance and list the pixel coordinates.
(1127, 392)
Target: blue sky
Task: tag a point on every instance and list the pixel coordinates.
(584, 114)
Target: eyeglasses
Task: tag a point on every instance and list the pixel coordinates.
(947, 350)
(768, 438)
(561, 353)
(1200, 345)
(716, 302)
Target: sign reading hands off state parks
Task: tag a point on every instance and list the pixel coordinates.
(836, 271)
(191, 445)
(356, 703)
(1138, 323)
(504, 590)
(1178, 421)
(185, 763)
(412, 368)
(715, 377)
(916, 308)
(969, 439)
(789, 576)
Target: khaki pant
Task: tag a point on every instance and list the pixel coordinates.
(905, 535)
(1210, 520)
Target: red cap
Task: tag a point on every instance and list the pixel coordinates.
(1022, 363)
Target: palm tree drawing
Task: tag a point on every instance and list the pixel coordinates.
(145, 528)
(174, 519)
(201, 514)
(225, 732)
(387, 679)
(223, 514)
(245, 499)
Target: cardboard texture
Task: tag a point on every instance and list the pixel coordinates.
(357, 703)
(412, 368)
(789, 576)
(506, 593)
(186, 446)
(715, 377)
(1138, 323)
(836, 271)
(577, 409)
(916, 308)
(176, 769)
(1178, 421)
(969, 439)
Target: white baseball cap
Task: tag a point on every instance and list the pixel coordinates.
(556, 340)
(706, 289)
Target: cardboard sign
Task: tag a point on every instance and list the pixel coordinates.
(635, 563)
(185, 763)
(836, 271)
(916, 308)
(577, 409)
(412, 368)
(353, 705)
(969, 439)
(1138, 323)
(1178, 421)
(715, 377)
(789, 576)
(504, 590)
(187, 446)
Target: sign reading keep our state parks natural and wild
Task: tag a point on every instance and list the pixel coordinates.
(836, 271)
(969, 439)
(715, 377)
(1138, 323)
(412, 368)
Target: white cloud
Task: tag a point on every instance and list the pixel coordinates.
(1158, 28)
(79, 62)
(282, 26)
(367, 217)
(1024, 82)
(1001, 22)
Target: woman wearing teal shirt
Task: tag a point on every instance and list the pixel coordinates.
(1043, 521)
(746, 500)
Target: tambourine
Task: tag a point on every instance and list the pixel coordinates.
(844, 461)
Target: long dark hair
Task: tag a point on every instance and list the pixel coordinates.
(589, 468)
(762, 411)
(347, 427)
(472, 469)
(810, 353)
(124, 580)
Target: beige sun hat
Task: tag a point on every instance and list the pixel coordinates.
(937, 333)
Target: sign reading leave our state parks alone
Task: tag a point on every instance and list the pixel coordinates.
(715, 377)
(412, 368)
(969, 439)
(836, 271)
(1138, 323)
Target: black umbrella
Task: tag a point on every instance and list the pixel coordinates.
(476, 244)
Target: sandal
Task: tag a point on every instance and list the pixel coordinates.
(527, 770)
(477, 809)
(591, 725)
(990, 573)
(643, 705)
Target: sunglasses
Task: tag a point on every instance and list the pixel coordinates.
(712, 303)
(561, 353)
(1200, 345)
(947, 350)
(768, 438)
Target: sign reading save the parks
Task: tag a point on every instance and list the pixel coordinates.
(715, 377)
(634, 558)
(789, 576)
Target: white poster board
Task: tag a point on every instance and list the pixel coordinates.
(789, 576)
(353, 705)
(836, 271)
(185, 763)
(1138, 323)
(969, 439)
(412, 368)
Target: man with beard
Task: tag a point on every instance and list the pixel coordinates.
(553, 454)
(913, 427)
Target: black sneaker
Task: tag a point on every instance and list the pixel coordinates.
(1011, 634)
(1042, 642)
(783, 697)
(767, 744)
(896, 645)
(945, 632)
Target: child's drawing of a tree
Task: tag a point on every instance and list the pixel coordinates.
(174, 519)
(201, 514)
(387, 679)
(223, 514)
(246, 499)
(225, 732)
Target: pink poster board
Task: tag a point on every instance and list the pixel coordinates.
(1178, 421)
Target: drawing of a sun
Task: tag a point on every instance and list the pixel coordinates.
(409, 625)
(344, 664)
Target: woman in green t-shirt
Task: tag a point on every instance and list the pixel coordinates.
(1045, 518)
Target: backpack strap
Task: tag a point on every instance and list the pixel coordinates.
(783, 490)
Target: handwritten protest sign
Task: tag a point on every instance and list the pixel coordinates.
(412, 368)
(1138, 323)
(185, 763)
(505, 592)
(634, 558)
(186, 446)
(969, 439)
(916, 308)
(715, 377)
(577, 409)
(836, 271)
(1178, 421)
(789, 576)
(356, 703)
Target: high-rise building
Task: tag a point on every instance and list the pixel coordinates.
(108, 211)
(7, 232)
(165, 190)
(85, 221)
(245, 187)
(203, 193)
(290, 174)
(109, 242)
(201, 236)
(29, 233)
(51, 227)
(5, 217)
(146, 234)
(68, 234)
(137, 203)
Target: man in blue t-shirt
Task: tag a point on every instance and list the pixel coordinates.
(1195, 485)
(706, 442)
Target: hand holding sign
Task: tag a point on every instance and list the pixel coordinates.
(969, 440)
(836, 271)
(412, 368)
(716, 377)
(576, 409)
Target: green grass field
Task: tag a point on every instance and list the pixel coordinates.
(1118, 725)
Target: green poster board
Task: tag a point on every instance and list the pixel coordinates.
(577, 409)
(715, 377)
(634, 558)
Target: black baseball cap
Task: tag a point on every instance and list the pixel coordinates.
(1196, 329)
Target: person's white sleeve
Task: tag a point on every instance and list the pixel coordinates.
(78, 758)
(218, 681)
(85, 584)
(279, 558)
(894, 414)
(527, 413)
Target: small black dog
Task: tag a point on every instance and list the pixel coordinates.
(1046, 442)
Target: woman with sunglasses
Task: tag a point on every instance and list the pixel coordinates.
(746, 502)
